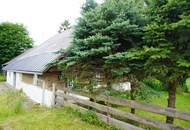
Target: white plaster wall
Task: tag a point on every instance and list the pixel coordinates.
(126, 86)
(34, 92)
(10, 78)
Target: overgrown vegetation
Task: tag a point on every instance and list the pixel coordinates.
(130, 40)
(91, 118)
(2, 77)
(187, 84)
(11, 104)
(17, 113)
(182, 103)
(144, 92)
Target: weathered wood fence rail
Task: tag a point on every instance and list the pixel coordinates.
(118, 117)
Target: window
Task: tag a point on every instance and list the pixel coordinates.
(27, 78)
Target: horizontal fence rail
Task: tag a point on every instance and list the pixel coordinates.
(142, 106)
(118, 113)
(118, 117)
(109, 120)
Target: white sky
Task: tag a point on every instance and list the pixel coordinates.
(41, 17)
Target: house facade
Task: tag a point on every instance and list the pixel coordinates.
(32, 72)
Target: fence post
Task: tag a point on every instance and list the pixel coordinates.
(108, 115)
(53, 95)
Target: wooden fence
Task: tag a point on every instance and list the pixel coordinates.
(117, 117)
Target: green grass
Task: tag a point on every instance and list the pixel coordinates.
(182, 103)
(2, 77)
(16, 114)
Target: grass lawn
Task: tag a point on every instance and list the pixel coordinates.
(17, 114)
(182, 103)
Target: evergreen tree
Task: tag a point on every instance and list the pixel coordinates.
(89, 5)
(165, 51)
(113, 27)
(64, 26)
(168, 35)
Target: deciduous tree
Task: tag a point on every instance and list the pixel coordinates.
(14, 39)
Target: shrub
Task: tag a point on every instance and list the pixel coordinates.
(154, 84)
(188, 84)
(2, 77)
(91, 118)
(143, 92)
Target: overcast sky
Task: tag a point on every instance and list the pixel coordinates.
(41, 17)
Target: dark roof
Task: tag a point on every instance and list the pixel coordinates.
(36, 60)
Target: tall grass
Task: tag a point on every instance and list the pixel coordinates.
(20, 114)
(11, 103)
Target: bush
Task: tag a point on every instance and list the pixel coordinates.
(91, 118)
(143, 92)
(187, 83)
(154, 84)
(2, 77)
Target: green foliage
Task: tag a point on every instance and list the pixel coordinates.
(64, 26)
(165, 32)
(15, 115)
(182, 103)
(112, 27)
(154, 84)
(130, 40)
(188, 84)
(2, 77)
(91, 118)
(89, 5)
(11, 104)
(14, 39)
(144, 92)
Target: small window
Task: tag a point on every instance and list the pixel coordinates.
(27, 78)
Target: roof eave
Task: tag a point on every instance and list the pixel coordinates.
(26, 72)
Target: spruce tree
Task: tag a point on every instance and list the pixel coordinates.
(164, 53)
(112, 27)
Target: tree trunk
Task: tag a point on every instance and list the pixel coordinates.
(171, 99)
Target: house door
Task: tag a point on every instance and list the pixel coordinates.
(14, 79)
